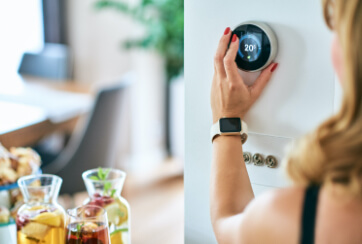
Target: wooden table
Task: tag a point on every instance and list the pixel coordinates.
(23, 124)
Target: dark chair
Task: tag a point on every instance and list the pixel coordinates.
(96, 146)
(53, 62)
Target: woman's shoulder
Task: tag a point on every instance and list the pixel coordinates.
(276, 214)
(285, 199)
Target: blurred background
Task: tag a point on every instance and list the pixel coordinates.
(97, 83)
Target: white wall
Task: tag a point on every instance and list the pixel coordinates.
(95, 38)
(300, 95)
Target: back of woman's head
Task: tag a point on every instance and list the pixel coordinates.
(333, 152)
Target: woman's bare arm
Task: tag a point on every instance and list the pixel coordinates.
(230, 185)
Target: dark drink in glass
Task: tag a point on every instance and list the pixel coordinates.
(87, 225)
(87, 233)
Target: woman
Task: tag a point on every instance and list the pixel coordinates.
(325, 205)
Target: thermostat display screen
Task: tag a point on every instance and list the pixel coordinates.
(250, 47)
(254, 46)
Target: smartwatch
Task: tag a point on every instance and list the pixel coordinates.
(229, 126)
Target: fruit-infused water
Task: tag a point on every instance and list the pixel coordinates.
(104, 187)
(41, 219)
(40, 224)
(117, 213)
(87, 233)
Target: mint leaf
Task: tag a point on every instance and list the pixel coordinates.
(100, 173)
(112, 192)
(102, 176)
(79, 228)
(93, 177)
(107, 186)
(106, 172)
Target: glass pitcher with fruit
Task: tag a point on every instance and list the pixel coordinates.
(41, 218)
(104, 187)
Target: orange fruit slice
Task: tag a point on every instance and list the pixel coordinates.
(48, 218)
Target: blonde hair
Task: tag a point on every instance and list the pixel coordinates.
(333, 152)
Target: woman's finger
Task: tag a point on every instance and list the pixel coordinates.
(258, 86)
(220, 52)
(229, 60)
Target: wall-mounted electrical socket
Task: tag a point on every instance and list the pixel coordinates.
(258, 159)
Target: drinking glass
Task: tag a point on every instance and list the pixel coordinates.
(87, 224)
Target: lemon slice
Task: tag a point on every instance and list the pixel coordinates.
(36, 208)
(123, 213)
(35, 230)
(117, 213)
(112, 213)
(47, 218)
(116, 237)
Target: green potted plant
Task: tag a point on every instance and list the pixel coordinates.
(164, 24)
(163, 21)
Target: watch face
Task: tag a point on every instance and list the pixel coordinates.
(228, 125)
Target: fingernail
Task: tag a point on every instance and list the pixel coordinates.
(227, 30)
(234, 38)
(274, 67)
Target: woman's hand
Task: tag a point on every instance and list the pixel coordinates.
(230, 97)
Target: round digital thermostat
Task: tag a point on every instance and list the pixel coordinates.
(257, 46)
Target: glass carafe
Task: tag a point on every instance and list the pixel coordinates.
(41, 218)
(104, 187)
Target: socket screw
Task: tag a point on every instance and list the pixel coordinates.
(247, 157)
(271, 161)
(258, 159)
